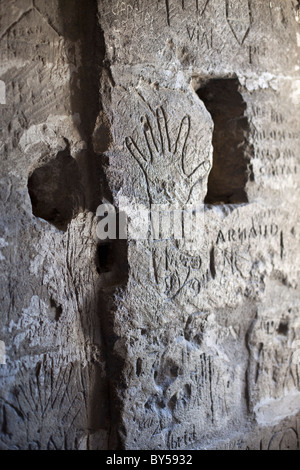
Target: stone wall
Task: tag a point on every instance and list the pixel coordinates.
(180, 114)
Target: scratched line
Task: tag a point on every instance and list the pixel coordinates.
(199, 8)
(168, 11)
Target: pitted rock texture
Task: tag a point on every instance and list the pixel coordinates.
(162, 341)
(50, 177)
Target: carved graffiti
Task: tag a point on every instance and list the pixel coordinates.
(49, 396)
(284, 440)
(238, 15)
(198, 6)
(176, 272)
(163, 162)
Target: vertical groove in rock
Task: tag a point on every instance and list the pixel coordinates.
(89, 85)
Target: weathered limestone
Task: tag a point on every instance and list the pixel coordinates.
(53, 386)
(209, 329)
(162, 341)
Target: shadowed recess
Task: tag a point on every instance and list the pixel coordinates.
(231, 168)
(54, 190)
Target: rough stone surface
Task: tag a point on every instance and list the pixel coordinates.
(152, 343)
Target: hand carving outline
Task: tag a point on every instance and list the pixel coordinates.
(164, 164)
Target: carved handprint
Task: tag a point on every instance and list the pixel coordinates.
(164, 164)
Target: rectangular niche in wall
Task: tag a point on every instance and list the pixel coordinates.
(231, 167)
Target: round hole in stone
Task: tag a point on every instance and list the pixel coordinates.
(55, 190)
